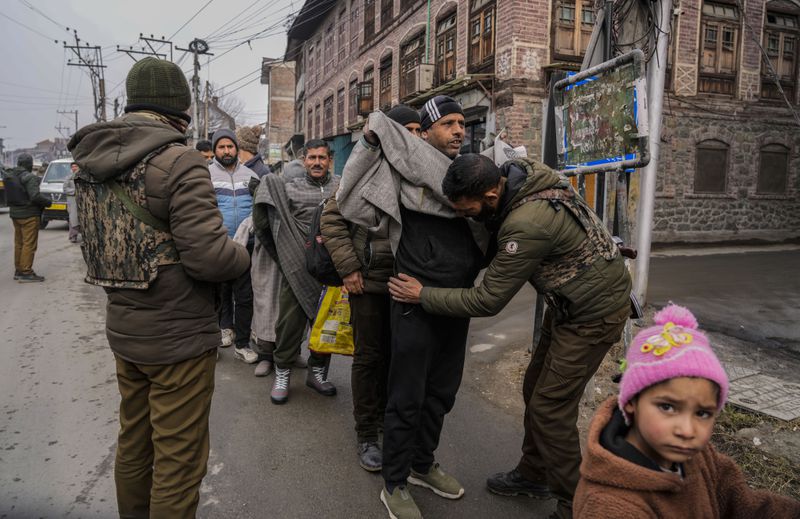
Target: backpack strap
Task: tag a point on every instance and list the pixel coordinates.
(139, 212)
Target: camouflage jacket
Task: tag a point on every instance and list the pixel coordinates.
(169, 315)
(543, 240)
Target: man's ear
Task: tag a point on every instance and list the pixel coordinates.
(424, 134)
(492, 196)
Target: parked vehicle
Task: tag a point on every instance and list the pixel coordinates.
(3, 201)
(52, 186)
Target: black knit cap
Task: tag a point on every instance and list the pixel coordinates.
(25, 161)
(436, 108)
(403, 115)
(158, 85)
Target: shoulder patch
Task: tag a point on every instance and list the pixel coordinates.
(512, 247)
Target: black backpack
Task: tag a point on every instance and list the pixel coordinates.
(318, 260)
(16, 194)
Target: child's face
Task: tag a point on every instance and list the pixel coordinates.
(673, 420)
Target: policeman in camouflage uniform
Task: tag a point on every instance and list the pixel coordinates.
(548, 236)
(154, 239)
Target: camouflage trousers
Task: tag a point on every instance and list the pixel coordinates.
(163, 442)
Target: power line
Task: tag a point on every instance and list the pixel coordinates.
(43, 35)
(40, 12)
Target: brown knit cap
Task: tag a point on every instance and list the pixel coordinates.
(248, 137)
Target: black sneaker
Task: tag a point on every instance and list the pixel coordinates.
(30, 278)
(514, 484)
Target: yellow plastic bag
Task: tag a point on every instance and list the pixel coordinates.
(332, 331)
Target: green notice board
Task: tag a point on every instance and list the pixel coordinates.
(601, 117)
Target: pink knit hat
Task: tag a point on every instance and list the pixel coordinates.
(673, 348)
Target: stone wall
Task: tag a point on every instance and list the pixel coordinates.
(740, 213)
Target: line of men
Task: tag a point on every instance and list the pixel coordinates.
(158, 239)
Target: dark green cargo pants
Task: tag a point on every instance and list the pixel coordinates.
(163, 442)
(567, 356)
(289, 329)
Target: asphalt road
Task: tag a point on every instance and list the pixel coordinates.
(59, 419)
(59, 399)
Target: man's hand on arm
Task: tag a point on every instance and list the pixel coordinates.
(354, 283)
(370, 136)
(405, 289)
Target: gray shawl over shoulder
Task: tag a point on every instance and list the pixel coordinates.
(289, 235)
(405, 171)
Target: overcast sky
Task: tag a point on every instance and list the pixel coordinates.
(36, 81)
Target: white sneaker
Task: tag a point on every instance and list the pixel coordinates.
(246, 355)
(227, 337)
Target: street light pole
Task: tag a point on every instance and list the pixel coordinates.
(656, 72)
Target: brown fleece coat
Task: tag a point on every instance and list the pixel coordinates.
(175, 319)
(712, 487)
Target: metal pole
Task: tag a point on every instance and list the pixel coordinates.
(196, 85)
(656, 72)
(428, 33)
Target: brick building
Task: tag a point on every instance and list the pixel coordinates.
(730, 163)
(279, 76)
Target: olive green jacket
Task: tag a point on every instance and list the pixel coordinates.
(531, 233)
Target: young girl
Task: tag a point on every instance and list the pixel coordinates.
(648, 450)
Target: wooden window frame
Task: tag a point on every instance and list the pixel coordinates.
(352, 94)
(329, 47)
(366, 93)
(385, 84)
(341, 37)
(481, 44)
(354, 28)
(327, 116)
(411, 55)
(340, 95)
(387, 13)
(774, 149)
(715, 146)
(579, 33)
(715, 79)
(446, 49)
(784, 34)
(369, 19)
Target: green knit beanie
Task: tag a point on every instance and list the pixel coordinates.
(155, 84)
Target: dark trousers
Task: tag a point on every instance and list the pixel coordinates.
(236, 307)
(427, 359)
(370, 315)
(567, 356)
(162, 449)
(289, 329)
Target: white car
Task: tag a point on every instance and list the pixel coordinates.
(52, 186)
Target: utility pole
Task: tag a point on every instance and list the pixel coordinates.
(656, 72)
(196, 47)
(60, 127)
(91, 57)
(205, 114)
(149, 50)
(74, 112)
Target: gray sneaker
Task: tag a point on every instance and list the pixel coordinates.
(400, 504)
(280, 386)
(370, 456)
(263, 368)
(437, 480)
(317, 380)
(245, 354)
(227, 337)
(30, 278)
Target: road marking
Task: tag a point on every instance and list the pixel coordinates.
(478, 348)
